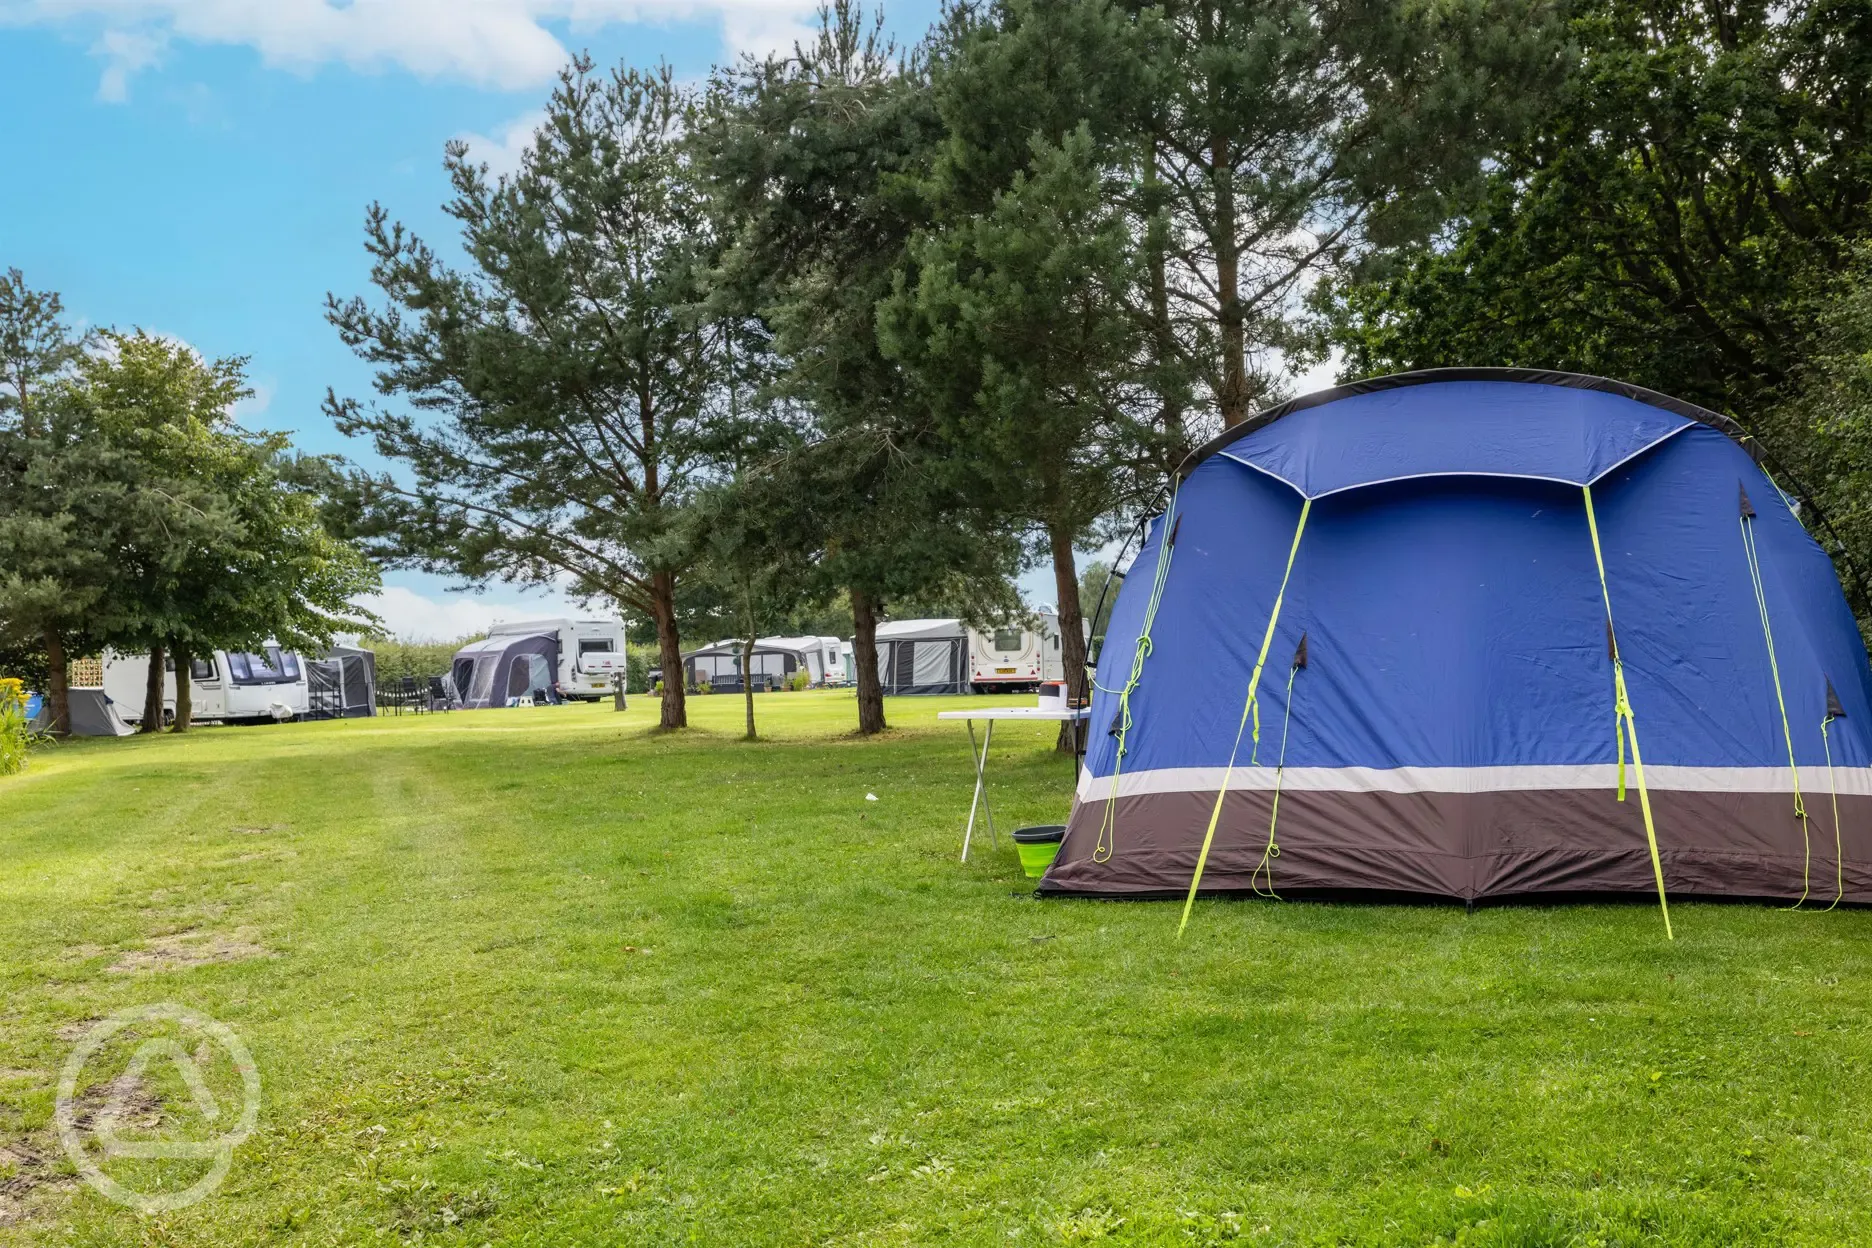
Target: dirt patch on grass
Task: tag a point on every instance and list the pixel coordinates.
(181, 950)
(266, 855)
(32, 1166)
(75, 1030)
(28, 1168)
(259, 829)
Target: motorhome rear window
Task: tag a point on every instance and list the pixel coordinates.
(1010, 639)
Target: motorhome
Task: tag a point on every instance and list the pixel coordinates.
(837, 670)
(233, 686)
(1014, 658)
(577, 638)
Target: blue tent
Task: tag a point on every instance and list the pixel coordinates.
(1478, 633)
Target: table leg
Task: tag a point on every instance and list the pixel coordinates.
(987, 806)
(980, 799)
(974, 801)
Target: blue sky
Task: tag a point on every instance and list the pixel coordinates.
(200, 168)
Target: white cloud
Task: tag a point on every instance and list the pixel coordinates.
(417, 617)
(759, 28)
(127, 52)
(507, 44)
(502, 155)
(256, 403)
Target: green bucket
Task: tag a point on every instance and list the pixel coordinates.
(1038, 846)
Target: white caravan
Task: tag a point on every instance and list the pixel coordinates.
(578, 638)
(231, 686)
(1014, 658)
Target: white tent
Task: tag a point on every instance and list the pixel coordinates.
(923, 656)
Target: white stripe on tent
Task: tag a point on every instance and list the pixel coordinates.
(1852, 781)
(1425, 476)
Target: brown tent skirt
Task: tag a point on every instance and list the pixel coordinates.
(1470, 846)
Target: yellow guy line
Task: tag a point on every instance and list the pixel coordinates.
(1248, 707)
(1622, 711)
(1787, 733)
(1108, 822)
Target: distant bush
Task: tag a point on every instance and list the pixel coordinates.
(802, 679)
(399, 657)
(641, 667)
(13, 731)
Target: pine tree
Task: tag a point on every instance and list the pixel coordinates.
(812, 160)
(572, 374)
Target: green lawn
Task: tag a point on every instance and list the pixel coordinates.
(543, 977)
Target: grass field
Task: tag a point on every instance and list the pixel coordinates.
(544, 977)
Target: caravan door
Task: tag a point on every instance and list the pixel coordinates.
(207, 686)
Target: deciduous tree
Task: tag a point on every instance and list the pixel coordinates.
(1677, 215)
(217, 540)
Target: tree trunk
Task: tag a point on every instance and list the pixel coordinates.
(153, 691)
(864, 659)
(58, 684)
(747, 683)
(1163, 341)
(184, 687)
(1232, 398)
(1072, 629)
(669, 649)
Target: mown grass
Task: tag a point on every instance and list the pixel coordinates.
(548, 978)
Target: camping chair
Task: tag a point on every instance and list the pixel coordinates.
(439, 699)
(409, 694)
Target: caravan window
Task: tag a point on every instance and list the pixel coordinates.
(274, 667)
(202, 669)
(594, 645)
(1009, 639)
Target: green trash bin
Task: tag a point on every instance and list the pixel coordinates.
(1038, 846)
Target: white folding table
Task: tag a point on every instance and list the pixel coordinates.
(992, 714)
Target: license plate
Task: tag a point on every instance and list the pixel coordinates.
(1004, 671)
